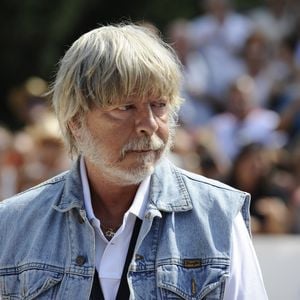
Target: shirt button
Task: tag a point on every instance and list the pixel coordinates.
(80, 260)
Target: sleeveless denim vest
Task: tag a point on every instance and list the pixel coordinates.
(182, 251)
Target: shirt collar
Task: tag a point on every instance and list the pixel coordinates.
(167, 190)
(138, 206)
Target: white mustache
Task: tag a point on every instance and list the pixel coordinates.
(143, 144)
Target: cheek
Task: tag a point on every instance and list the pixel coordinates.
(163, 132)
(114, 141)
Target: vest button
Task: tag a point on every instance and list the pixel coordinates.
(80, 260)
(139, 257)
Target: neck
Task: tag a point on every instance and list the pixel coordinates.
(110, 201)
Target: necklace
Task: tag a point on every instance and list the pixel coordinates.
(109, 231)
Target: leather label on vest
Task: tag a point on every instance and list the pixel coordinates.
(192, 263)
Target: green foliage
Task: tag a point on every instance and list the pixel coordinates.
(244, 5)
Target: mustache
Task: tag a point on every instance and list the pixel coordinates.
(143, 144)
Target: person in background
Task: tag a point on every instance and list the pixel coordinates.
(258, 62)
(124, 222)
(244, 122)
(275, 19)
(254, 170)
(219, 35)
(198, 106)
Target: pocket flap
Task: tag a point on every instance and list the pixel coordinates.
(29, 284)
(191, 283)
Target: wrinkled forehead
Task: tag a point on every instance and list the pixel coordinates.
(148, 87)
(140, 98)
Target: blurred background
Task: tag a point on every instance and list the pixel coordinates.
(240, 122)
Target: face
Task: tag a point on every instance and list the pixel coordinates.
(239, 103)
(125, 142)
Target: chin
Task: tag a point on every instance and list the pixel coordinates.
(132, 175)
(138, 174)
(130, 171)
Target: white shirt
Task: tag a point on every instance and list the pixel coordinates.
(219, 43)
(244, 283)
(111, 255)
(231, 134)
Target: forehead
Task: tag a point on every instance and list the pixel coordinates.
(138, 99)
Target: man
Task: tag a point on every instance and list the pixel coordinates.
(243, 122)
(219, 33)
(124, 221)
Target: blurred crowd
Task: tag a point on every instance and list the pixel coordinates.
(239, 123)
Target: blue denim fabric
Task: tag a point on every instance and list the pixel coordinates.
(182, 252)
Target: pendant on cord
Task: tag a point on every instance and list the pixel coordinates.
(109, 233)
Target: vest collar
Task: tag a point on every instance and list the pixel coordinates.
(72, 195)
(167, 189)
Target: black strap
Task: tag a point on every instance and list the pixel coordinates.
(96, 293)
(123, 292)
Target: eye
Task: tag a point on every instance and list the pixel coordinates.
(159, 107)
(125, 107)
(161, 104)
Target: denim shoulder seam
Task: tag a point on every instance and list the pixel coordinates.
(51, 181)
(203, 180)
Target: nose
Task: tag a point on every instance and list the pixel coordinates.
(145, 122)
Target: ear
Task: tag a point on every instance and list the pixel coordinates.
(75, 129)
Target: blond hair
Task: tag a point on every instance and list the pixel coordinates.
(109, 64)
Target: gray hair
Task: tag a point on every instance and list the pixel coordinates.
(109, 64)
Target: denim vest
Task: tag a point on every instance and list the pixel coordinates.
(182, 252)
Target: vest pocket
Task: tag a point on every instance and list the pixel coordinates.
(204, 282)
(30, 284)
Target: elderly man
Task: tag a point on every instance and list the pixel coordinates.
(124, 222)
